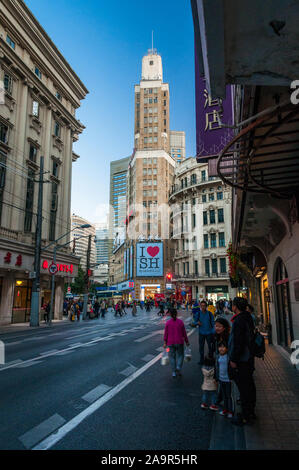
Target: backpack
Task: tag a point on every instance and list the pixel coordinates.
(258, 346)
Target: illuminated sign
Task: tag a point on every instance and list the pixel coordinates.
(66, 268)
(149, 259)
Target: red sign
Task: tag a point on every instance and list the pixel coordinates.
(7, 258)
(60, 267)
(19, 260)
(53, 268)
(153, 250)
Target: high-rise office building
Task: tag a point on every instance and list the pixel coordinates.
(177, 145)
(80, 240)
(117, 209)
(102, 238)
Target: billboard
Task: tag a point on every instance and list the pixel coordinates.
(149, 259)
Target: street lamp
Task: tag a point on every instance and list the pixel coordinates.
(56, 247)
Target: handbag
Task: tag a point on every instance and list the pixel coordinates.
(164, 358)
(188, 354)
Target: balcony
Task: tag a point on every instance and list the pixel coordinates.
(190, 183)
(199, 277)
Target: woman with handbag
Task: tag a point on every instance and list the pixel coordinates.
(175, 336)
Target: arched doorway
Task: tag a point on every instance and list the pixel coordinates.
(285, 334)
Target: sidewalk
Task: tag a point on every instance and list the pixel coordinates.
(26, 326)
(277, 426)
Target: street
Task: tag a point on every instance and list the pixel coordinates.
(100, 383)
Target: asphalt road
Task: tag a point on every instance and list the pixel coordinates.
(99, 385)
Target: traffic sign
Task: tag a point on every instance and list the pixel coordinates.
(53, 268)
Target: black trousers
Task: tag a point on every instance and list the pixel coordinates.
(226, 393)
(246, 386)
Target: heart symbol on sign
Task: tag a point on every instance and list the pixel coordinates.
(153, 250)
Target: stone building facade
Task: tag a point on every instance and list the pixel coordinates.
(37, 118)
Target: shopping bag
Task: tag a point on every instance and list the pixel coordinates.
(187, 355)
(165, 358)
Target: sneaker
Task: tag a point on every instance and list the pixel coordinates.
(229, 415)
(223, 413)
(214, 408)
(204, 406)
(174, 375)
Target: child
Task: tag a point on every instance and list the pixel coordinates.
(209, 385)
(224, 381)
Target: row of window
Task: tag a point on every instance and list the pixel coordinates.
(150, 130)
(150, 119)
(212, 216)
(213, 240)
(149, 171)
(8, 84)
(149, 161)
(150, 140)
(149, 193)
(149, 182)
(217, 267)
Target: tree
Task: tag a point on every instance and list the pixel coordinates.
(79, 284)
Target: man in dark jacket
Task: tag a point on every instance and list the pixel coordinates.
(242, 359)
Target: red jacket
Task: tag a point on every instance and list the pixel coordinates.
(175, 332)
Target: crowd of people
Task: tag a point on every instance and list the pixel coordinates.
(230, 357)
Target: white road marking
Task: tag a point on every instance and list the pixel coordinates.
(11, 363)
(48, 352)
(140, 340)
(96, 393)
(39, 432)
(128, 371)
(30, 364)
(147, 358)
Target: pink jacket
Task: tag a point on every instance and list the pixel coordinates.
(175, 332)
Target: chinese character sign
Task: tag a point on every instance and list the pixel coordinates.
(211, 113)
(149, 259)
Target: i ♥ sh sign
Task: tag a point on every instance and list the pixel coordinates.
(149, 259)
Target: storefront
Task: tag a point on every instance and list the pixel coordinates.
(16, 270)
(285, 334)
(215, 293)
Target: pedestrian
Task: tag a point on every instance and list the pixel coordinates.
(96, 308)
(205, 320)
(209, 385)
(241, 359)
(117, 309)
(175, 336)
(250, 309)
(123, 311)
(78, 311)
(134, 309)
(88, 310)
(103, 308)
(161, 308)
(47, 312)
(224, 383)
(65, 305)
(222, 332)
(211, 307)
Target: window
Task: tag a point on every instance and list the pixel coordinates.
(195, 267)
(206, 241)
(38, 72)
(214, 266)
(193, 179)
(150, 100)
(221, 239)
(204, 198)
(145, 110)
(155, 100)
(203, 175)
(205, 218)
(58, 96)
(207, 267)
(150, 90)
(145, 100)
(55, 168)
(193, 220)
(53, 211)
(212, 217)
(32, 153)
(3, 133)
(57, 129)
(211, 197)
(35, 108)
(29, 202)
(213, 240)
(222, 265)
(154, 161)
(219, 196)
(8, 83)
(164, 112)
(193, 201)
(220, 216)
(10, 42)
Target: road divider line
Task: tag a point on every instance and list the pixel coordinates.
(55, 437)
(144, 338)
(37, 433)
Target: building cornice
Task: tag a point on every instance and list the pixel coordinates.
(27, 20)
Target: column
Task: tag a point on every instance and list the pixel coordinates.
(8, 288)
(59, 295)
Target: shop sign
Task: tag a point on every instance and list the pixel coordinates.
(66, 268)
(8, 258)
(126, 285)
(149, 259)
(168, 286)
(216, 289)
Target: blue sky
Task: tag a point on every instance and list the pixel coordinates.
(104, 42)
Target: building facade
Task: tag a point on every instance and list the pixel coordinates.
(201, 213)
(117, 201)
(260, 162)
(80, 240)
(178, 145)
(37, 118)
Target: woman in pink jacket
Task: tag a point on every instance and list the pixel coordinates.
(174, 336)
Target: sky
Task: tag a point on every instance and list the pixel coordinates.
(104, 42)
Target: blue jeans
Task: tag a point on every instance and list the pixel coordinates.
(176, 356)
(209, 394)
(201, 340)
